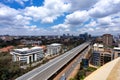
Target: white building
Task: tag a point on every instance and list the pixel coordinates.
(27, 55)
(53, 49)
(98, 47)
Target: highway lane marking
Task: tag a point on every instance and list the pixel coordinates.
(66, 54)
(47, 67)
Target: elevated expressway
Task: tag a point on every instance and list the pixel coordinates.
(45, 71)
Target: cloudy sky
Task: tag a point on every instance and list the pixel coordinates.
(55, 17)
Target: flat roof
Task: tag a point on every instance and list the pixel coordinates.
(23, 49)
(100, 45)
(109, 71)
(36, 47)
(117, 48)
(26, 49)
(55, 44)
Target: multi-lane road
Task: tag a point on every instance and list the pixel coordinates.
(45, 71)
(75, 63)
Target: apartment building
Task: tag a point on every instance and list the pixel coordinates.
(107, 39)
(105, 57)
(101, 56)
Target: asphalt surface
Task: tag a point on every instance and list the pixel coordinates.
(77, 61)
(45, 71)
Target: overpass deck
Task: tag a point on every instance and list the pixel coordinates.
(45, 71)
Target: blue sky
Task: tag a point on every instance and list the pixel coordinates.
(56, 17)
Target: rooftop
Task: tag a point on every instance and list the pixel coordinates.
(109, 71)
(107, 35)
(6, 49)
(23, 49)
(95, 45)
(98, 45)
(26, 50)
(117, 48)
(36, 47)
(55, 44)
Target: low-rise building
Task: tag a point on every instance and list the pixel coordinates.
(53, 49)
(27, 55)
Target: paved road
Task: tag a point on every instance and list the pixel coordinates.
(47, 70)
(77, 61)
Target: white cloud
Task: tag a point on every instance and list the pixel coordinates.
(31, 28)
(21, 1)
(57, 5)
(92, 23)
(100, 30)
(93, 16)
(105, 8)
(60, 26)
(77, 18)
(48, 12)
(81, 4)
(12, 19)
(104, 11)
(72, 20)
(14, 22)
(7, 15)
(104, 21)
(48, 19)
(36, 12)
(109, 21)
(4, 10)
